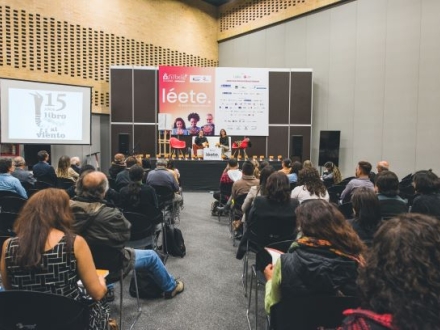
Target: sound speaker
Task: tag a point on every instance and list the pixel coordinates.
(124, 143)
(329, 147)
(296, 148)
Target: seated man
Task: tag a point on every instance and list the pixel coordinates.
(387, 188)
(117, 166)
(230, 174)
(43, 171)
(102, 224)
(362, 179)
(7, 181)
(21, 173)
(123, 179)
(200, 142)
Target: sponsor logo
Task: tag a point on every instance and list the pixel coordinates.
(204, 79)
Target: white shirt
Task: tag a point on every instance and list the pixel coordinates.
(301, 194)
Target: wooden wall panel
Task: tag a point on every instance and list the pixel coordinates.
(301, 98)
(122, 95)
(279, 97)
(145, 96)
(145, 139)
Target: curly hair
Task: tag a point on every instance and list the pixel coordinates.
(400, 276)
(194, 115)
(309, 177)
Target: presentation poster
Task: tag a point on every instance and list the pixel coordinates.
(45, 114)
(187, 94)
(242, 101)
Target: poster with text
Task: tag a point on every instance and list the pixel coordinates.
(187, 96)
(242, 101)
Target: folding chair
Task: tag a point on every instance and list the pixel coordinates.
(110, 258)
(12, 204)
(7, 220)
(347, 210)
(38, 310)
(335, 192)
(310, 312)
(64, 183)
(142, 230)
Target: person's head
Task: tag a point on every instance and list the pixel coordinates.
(296, 167)
(247, 168)
(75, 161)
(426, 182)
(19, 162)
(201, 133)
(170, 164)
(179, 123)
(382, 166)
(6, 165)
(307, 163)
(130, 161)
(366, 207)
(209, 118)
(232, 163)
(43, 156)
(387, 183)
(329, 166)
(332, 168)
(45, 210)
(119, 158)
(309, 177)
(92, 185)
(193, 119)
(278, 187)
(136, 173)
(64, 163)
(146, 164)
(400, 276)
(363, 168)
(161, 162)
(263, 164)
(287, 163)
(322, 220)
(223, 132)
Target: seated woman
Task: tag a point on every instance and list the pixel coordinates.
(387, 188)
(323, 260)
(400, 290)
(286, 166)
(223, 142)
(64, 169)
(427, 187)
(43, 229)
(331, 175)
(138, 197)
(310, 186)
(294, 171)
(271, 215)
(366, 214)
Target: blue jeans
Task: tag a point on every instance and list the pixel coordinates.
(150, 261)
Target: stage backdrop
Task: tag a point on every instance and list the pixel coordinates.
(135, 99)
(209, 99)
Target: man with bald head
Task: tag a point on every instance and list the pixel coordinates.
(382, 166)
(101, 224)
(21, 173)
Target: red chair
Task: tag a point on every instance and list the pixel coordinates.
(242, 146)
(178, 145)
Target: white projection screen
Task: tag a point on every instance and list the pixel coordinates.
(44, 113)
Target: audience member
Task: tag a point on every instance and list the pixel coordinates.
(7, 181)
(274, 209)
(427, 187)
(209, 127)
(324, 260)
(223, 142)
(286, 166)
(230, 174)
(117, 166)
(387, 189)
(101, 224)
(366, 214)
(243, 185)
(174, 171)
(75, 164)
(138, 197)
(256, 167)
(64, 170)
(146, 165)
(331, 175)
(200, 142)
(310, 186)
(122, 178)
(43, 230)
(362, 179)
(193, 119)
(160, 176)
(400, 284)
(43, 171)
(21, 173)
(308, 164)
(263, 164)
(294, 171)
(382, 166)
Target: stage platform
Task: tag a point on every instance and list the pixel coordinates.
(203, 175)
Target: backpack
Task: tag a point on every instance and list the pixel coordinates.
(175, 243)
(148, 289)
(214, 205)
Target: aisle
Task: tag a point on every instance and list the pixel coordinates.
(213, 296)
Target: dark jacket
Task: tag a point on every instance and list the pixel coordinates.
(45, 172)
(146, 202)
(365, 234)
(311, 270)
(102, 224)
(115, 169)
(428, 204)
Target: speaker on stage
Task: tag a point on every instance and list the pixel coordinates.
(329, 147)
(124, 143)
(296, 148)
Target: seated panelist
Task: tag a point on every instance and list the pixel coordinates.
(200, 142)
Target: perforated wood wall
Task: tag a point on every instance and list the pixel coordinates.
(243, 16)
(59, 44)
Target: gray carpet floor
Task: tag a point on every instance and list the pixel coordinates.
(214, 296)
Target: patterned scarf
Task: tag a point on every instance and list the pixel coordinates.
(324, 244)
(360, 319)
